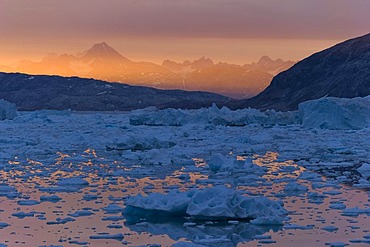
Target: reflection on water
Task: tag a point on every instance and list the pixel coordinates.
(80, 213)
(230, 235)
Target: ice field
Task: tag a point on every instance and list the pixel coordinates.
(207, 177)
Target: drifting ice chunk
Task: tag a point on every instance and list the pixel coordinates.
(267, 221)
(336, 113)
(355, 211)
(330, 228)
(212, 115)
(7, 110)
(90, 197)
(294, 187)
(364, 170)
(60, 221)
(22, 215)
(113, 209)
(155, 157)
(72, 182)
(81, 213)
(223, 203)
(336, 244)
(217, 203)
(299, 227)
(3, 225)
(172, 204)
(138, 143)
(337, 205)
(187, 244)
(216, 162)
(6, 190)
(27, 202)
(59, 189)
(52, 198)
(118, 236)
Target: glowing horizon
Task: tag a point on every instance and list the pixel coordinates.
(231, 31)
(234, 51)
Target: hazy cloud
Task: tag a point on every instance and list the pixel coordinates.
(320, 19)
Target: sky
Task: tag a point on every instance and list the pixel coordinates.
(237, 31)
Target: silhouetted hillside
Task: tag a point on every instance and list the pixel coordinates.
(35, 92)
(340, 71)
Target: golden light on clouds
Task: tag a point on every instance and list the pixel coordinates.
(237, 31)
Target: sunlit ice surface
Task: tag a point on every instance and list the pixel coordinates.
(40, 152)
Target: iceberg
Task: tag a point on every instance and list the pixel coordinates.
(138, 143)
(7, 110)
(336, 113)
(364, 169)
(212, 115)
(216, 203)
(74, 181)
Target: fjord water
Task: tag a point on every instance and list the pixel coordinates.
(41, 153)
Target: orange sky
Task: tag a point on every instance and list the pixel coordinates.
(237, 31)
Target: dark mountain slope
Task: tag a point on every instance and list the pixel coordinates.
(58, 93)
(340, 71)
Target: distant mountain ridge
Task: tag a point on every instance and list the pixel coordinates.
(37, 92)
(103, 51)
(268, 65)
(103, 62)
(340, 71)
(238, 81)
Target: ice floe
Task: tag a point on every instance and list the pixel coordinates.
(216, 203)
(364, 169)
(118, 236)
(76, 174)
(7, 110)
(213, 115)
(335, 113)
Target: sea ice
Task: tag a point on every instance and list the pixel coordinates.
(60, 221)
(336, 113)
(27, 202)
(81, 213)
(52, 198)
(295, 188)
(7, 110)
(216, 203)
(364, 169)
(118, 236)
(298, 227)
(3, 225)
(330, 228)
(212, 115)
(113, 209)
(42, 149)
(22, 215)
(138, 143)
(216, 162)
(187, 244)
(72, 182)
(336, 244)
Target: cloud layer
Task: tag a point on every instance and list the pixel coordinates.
(314, 19)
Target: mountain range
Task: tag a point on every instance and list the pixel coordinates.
(340, 71)
(103, 62)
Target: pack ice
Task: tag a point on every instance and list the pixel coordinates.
(213, 176)
(7, 110)
(325, 113)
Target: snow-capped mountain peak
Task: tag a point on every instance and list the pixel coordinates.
(103, 51)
